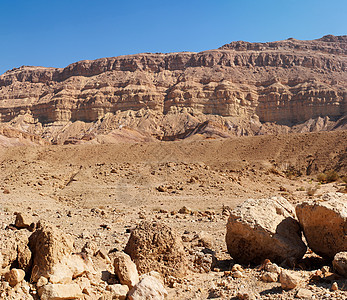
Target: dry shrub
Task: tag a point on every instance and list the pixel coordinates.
(322, 178)
(327, 177)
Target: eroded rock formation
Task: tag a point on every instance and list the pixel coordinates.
(287, 82)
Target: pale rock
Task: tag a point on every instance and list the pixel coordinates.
(303, 294)
(149, 287)
(125, 269)
(264, 229)
(273, 268)
(325, 225)
(14, 276)
(288, 280)
(41, 281)
(119, 291)
(269, 277)
(340, 263)
(60, 292)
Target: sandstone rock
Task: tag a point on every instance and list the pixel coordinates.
(41, 281)
(24, 254)
(125, 269)
(155, 246)
(118, 291)
(304, 294)
(288, 280)
(204, 261)
(340, 263)
(149, 287)
(49, 247)
(60, 292)
(324, 225)
(273, 268)
(24, 220)
(264, 229)
(14, 276)
(269, 277)
(184, 210)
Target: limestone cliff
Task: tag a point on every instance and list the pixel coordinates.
(240, 86)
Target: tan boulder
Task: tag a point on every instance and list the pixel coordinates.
(325, 225)
(340, 263)
(14, 276)
(125, 269)
(149, 287)
(60, 292)
(156, 246)
(264, 229)
(49, 247)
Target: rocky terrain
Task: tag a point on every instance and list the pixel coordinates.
(212, 175)
(239, 89)
(178, 208)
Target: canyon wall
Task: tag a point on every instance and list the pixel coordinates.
(286, 82)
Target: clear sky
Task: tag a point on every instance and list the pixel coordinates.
(55, 33)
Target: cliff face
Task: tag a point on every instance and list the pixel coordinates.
(287, 82)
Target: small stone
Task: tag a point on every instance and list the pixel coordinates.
(14, 276)
(237, 267)
(269, 277)
(334, 287)
(125, 269)
(119, 291)
(273, 268)
(149, 287)
(304, 294)
(288, 280)
(340, 263)
(23, 220)
(237, 274)
(185, 210)
(41, 281)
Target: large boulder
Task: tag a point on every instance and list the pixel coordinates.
(156, 246)
(264, 229)
(325, 224)
(49, 247)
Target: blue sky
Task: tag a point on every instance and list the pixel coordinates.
(55, 33)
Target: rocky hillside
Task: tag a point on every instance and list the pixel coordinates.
(239, 89)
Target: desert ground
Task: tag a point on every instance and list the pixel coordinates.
(100, 193)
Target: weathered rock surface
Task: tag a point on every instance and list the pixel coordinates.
(264, 229)
(156, 246)
(220, 92)
(325, 224)
(60, 292)
(289, 280)
(149, 287)
(125, 269)
(340, 263)
(49, 247)
(14, 276)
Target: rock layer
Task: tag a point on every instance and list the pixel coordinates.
(287, 82)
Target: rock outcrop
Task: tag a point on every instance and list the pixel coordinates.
(239, 87)
(155, 246)
(264, 229)
(325, 224)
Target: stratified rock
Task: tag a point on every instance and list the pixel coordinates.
(14, 276)
(325, 225)
(340, 263)
(49, 247)
(156, 246)
(149, 287)
(264, 229)
(289, 280)
(60, 292)
(125, 269)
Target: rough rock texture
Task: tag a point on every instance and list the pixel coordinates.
(60, 292)
(289, 280)
(14, 276)
(325, 224)
(149, 287)
(24, 220)
(125, 269)
(219, 92)
(340, 263)
(155, 246)
(49, 246)
(264, 229)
